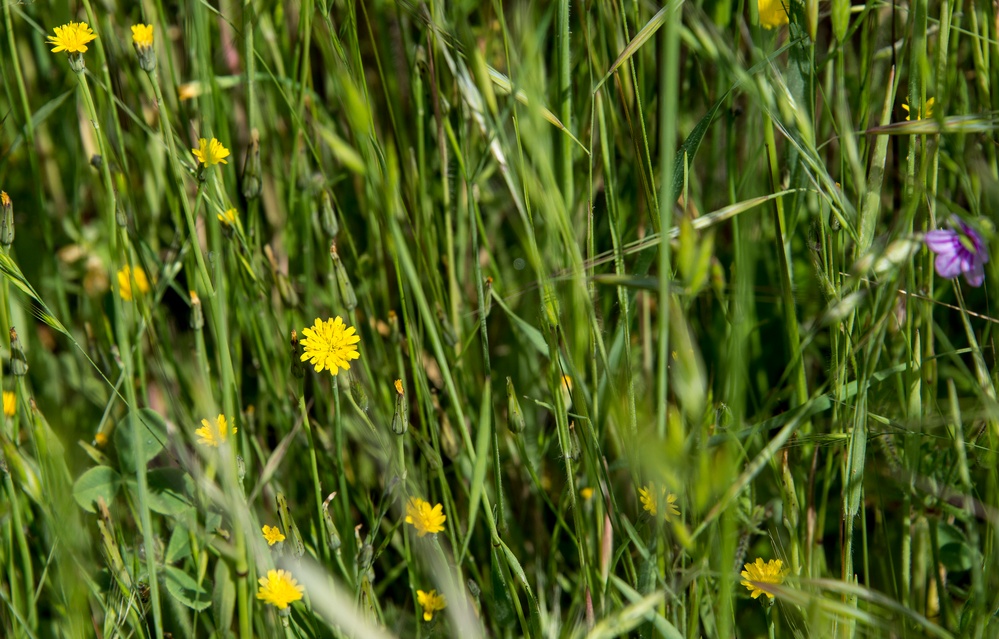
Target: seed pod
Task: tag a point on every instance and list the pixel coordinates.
(514, 416)
(347, 295)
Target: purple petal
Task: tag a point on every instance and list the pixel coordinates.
(942, 240)
(948, 265)
(976, 275)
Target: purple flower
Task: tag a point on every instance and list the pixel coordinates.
(959, 251)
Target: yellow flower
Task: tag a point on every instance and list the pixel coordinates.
(398, 386)
(214, 434)
(586, 493)
(653, 501)
(279, 589)
(210, 153)
(228, 218)
(424, 518)
(142, 36)
(101, 439)
(330, 345)
(273, 535)
(919, 116)
(772, 573)
(431, 602)
(127, 276)
(4, 199)
(9, 403)
(72, 38)
(773, 13)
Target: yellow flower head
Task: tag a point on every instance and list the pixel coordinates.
(424, 518)
(142, 36)
(772, 573)
(654, 501)
(273, 535)
(431, 602)
(330, 345)
(398, 386)
(773, 13)
(215, 434)
(101, 439)
(127, 277)
(210, 153)
(72, 38)
(928, 105)
(586, 493)
(4, 199)
(9, 403)
(279, 589)
(227, 218)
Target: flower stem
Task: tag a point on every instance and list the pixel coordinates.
(313, 461)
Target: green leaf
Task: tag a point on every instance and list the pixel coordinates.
(168, 491)
(224, 595)
(186, 590)
(100, 481)
(179, 546)
(153, 429)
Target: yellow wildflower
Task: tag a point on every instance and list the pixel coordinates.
(398, 386)
(279, 589)
(229, 217)
(424, 518)
(9, 403)
(330, 345)
(773, 13)
(210, 153)
(128, 276)
(431, 602)
(654, 501)
(586, 493)
(142, 36)
(273, 535)
(919, 116)
(770, 573)
(72, 38)
(214, 434)
(101, 439)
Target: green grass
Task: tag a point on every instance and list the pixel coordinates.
(483, 190)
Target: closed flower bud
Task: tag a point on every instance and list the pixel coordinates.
(327, 215)
(251, 168)
(6, 220)
(400, 419)
(514, 416)
(197, 313)
(333, 535)
(18, 362)
(347, 295)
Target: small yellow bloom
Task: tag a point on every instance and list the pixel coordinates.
(424, 518)
(128, 276)
(773, 13)
(210, 153)
(142, 36)
(431, 602)
(654, 501)
(72, 38)
(215, 434)
(919, 116)
(330, 345)
(279, 589)
(101, 440)
(229, 217)
(273, 535)
(9, 403)
(398, 386)
(771, 573)
(586, 493)
(189, 91)
(4, 199)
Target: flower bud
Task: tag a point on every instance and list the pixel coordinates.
(251, 168)
(18, 362)
(6, 220)
(333, 535)
(347, 295)
(77, 63)
(400, 419)
(514, 416)
(197, 313)
(142, 40)
(327, 215)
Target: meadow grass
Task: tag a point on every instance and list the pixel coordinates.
(641, 296)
